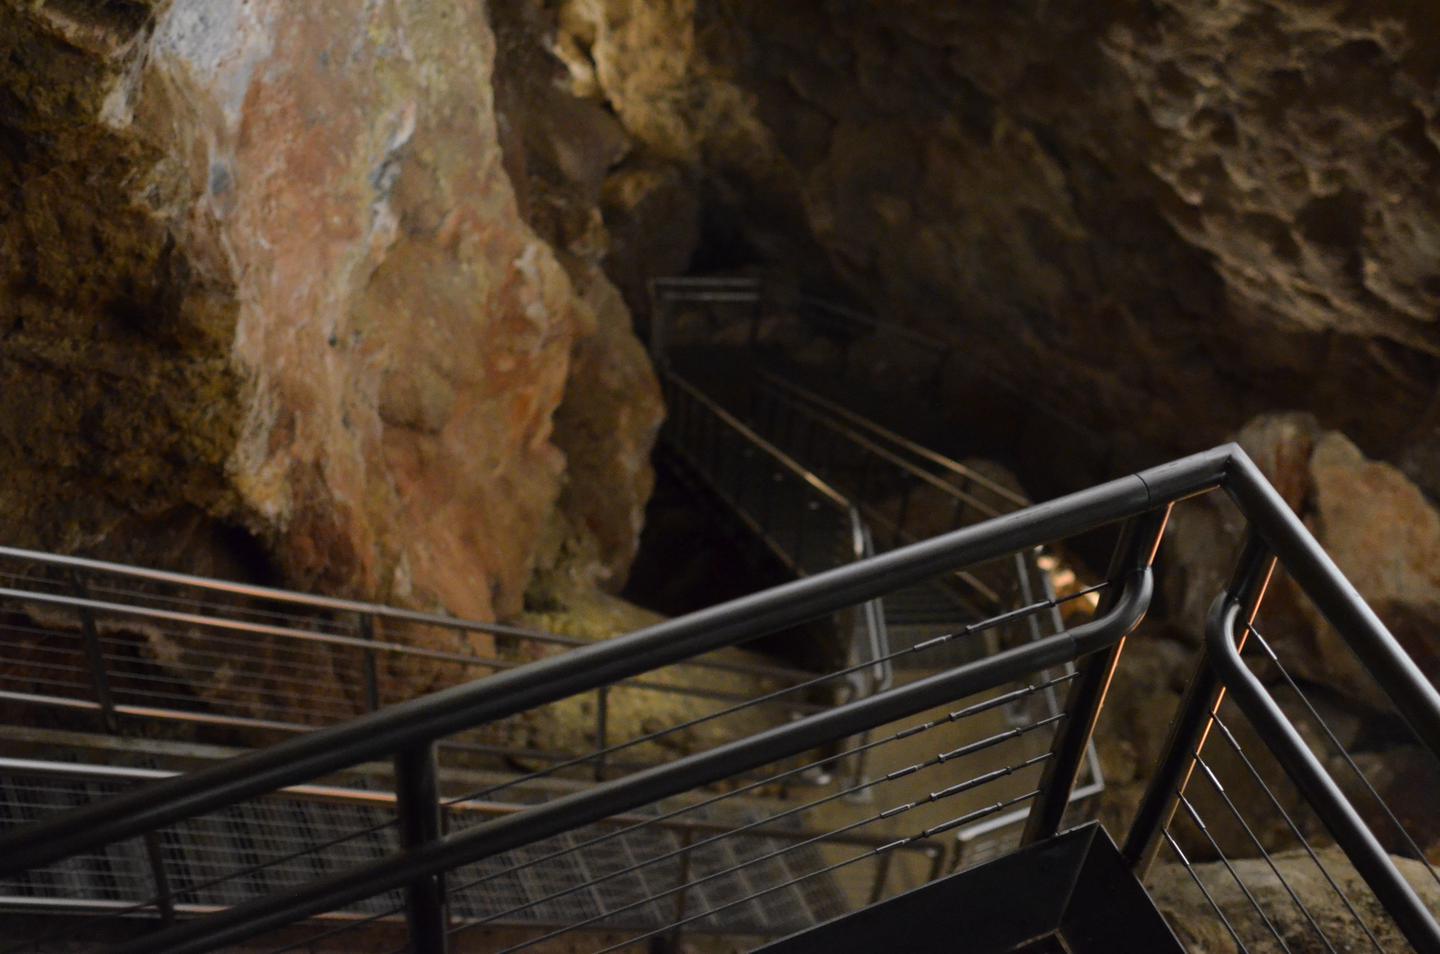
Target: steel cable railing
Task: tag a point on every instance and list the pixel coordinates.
(805, 523)
(1413, 849)
(564, 809)
(877, 471)
(521, 780)
(741, 887)
(1274, 925)
(86, 636)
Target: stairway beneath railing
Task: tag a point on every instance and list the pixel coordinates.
(820, 484)
(850, 796)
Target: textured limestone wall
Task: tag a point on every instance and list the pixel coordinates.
(266, 275)
(1172, 215)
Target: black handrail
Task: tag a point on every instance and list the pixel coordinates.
(379, 735)
(645, 787)
(1314, 782)
(383, 734)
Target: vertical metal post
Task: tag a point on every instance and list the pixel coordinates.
(95, 656)
(937, 862)
(882, 875)
(1139, 539)
(682, 896)
(417, 803)
(602, 730)
(957, 517)
(165, 900)
(372, 679)
(898, 538)
(1193, 719)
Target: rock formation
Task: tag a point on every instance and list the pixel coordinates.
(1163, 218)
(1373, 521)
(1187, 910)
(265, 274)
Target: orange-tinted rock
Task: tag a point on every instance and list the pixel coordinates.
(264, 268)
(1376, 524)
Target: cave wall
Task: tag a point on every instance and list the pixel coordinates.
(1164, 217)
(347, 290)
(272, 305)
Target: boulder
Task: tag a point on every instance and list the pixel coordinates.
(1199, 929)
(275, 307)
(265, 270)
(1377, 525)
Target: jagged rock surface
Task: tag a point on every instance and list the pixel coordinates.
(1199, 929)
(264, 274)
(1161, 218)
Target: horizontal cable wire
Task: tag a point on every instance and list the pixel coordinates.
(155, 902)
(925, 834)
(1269, 861)
(978, 626)
(969, 749)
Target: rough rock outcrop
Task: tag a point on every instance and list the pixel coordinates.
(1373, 521)
(1195, 922)
(1160, 218)
(264, 274)
(1384, 535)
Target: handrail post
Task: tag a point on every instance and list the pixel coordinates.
(417, 803)
(372, 679)
(165, 899)
(95, 656)
(1315, 784)
(668, 942)
(1139, 539)
(1193, 719)
(602, 730)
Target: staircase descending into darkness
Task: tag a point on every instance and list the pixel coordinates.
(191, 765)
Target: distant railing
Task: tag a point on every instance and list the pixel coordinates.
(130, 646)
(806, 523)
(748, 309)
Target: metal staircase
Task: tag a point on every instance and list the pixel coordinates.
(818, 483)
(366, 819)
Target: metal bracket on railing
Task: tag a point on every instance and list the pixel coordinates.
(372, 679)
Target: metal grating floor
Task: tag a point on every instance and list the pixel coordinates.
(206, 858)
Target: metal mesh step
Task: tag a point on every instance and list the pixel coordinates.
(206, 861)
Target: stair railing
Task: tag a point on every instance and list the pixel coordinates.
(806, 523)
(1140, 502)
(136, 646)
